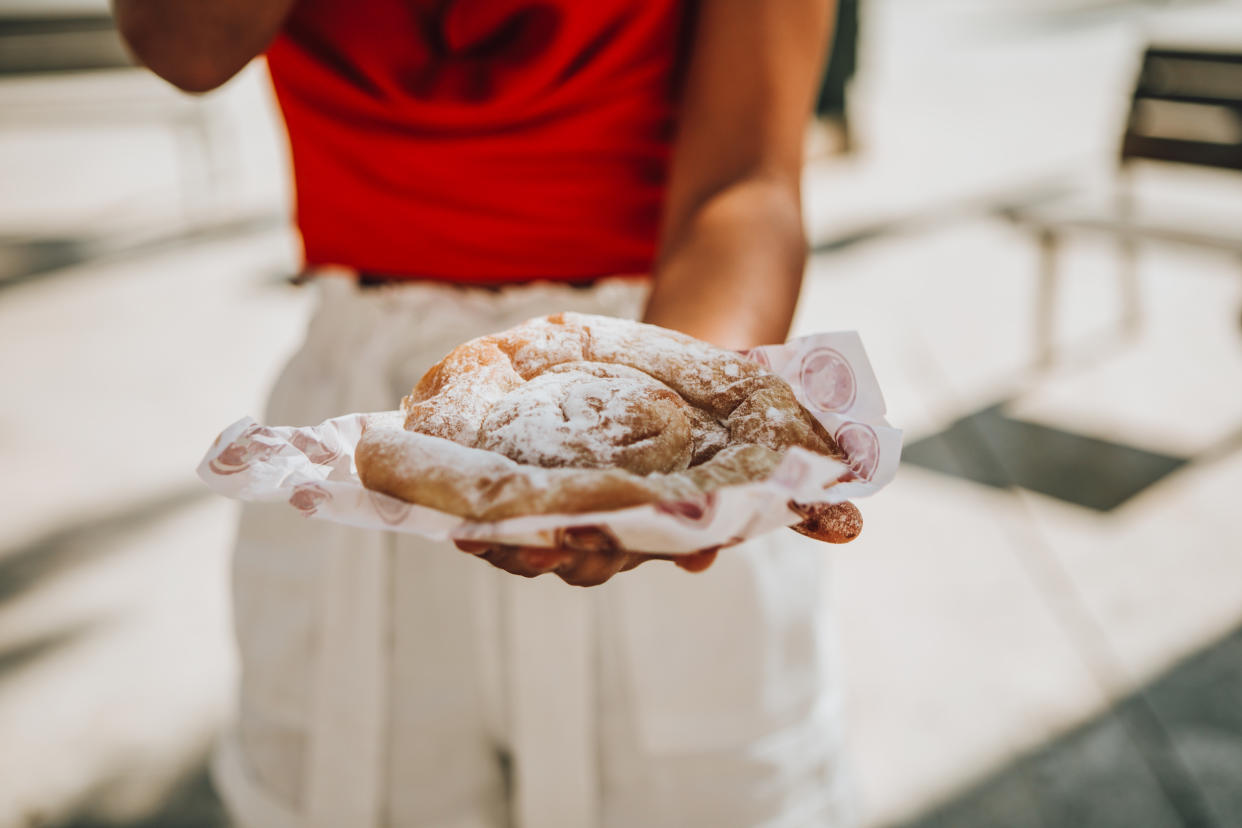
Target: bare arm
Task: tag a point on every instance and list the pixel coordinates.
(197, 45)
(733, 249)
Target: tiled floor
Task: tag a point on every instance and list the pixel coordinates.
(1073, 596)
(1041, 623)
(113, 632)
(998, 640)
(994, 449)
(1167, 755)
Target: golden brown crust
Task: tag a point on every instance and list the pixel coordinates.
(575, 413)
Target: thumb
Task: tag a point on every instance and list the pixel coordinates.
(830, 522)
(697, 561)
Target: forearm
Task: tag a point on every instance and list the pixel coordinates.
(197, 45)
(730, 274)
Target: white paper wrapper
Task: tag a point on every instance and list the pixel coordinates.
(312, 468)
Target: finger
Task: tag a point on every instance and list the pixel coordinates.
(544, 560)
(592, 568)
(830, 522)
(524, 560)
(588, 539)
(596, 557)
(637, 558)
(509, 558)
(697, 561)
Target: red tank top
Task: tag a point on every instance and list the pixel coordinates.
(479, 140)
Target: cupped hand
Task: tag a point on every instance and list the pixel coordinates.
(589, 556)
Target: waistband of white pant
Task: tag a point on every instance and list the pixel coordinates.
(372, 288)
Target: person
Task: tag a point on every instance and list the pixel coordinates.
(832, 113)
(461, 166)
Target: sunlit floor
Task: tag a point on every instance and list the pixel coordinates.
(115, 663)
(1055, 659)
(1067, 651)
(1041, 624)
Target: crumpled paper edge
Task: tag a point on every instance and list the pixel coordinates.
(311, 469)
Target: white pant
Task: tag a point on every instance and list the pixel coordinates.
(389, 681)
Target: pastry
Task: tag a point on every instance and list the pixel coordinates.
(575, 413)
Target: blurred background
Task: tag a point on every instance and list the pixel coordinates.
(1032, 211)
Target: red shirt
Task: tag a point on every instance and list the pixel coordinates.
(479, 140)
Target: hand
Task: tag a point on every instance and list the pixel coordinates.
(589, 556)
(584, 556)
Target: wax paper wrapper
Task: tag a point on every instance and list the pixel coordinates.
(311, 469)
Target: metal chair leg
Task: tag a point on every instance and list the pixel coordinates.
(1045, 298)
(1127, 253)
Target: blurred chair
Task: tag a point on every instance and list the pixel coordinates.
(831, 112)
(63, 65)
(1186, 109)
(58, 38)
(66, 44)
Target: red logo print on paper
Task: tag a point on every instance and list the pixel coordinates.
(759, 356)
(308, 497)
(242, 452)
(791, 473)
(862, 450)
(828, 383)
(696, 512)
(391, 510)
(318, 450)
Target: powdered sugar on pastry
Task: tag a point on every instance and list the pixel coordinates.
(589, 415)
(573, 413)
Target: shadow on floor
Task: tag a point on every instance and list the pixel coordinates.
(193, 803)
(42, 560)
(991, 448)
(16, 656)
(1169, 756)
(24, 566)
(24, 258)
